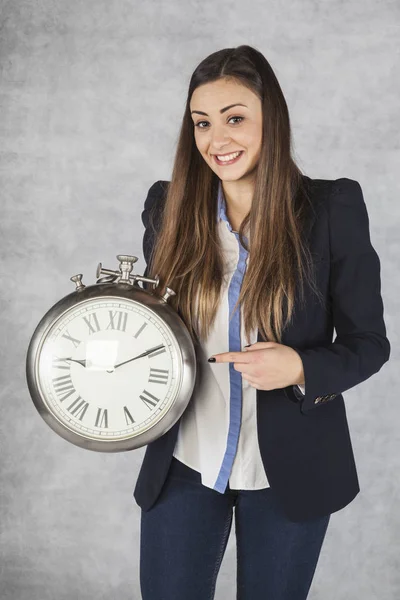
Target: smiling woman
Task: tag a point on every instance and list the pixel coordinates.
(237, 233)
(231, 135)
(275, 206)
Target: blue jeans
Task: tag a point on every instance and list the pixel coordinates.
(185, 533)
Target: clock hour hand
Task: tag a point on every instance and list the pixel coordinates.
(80, 362)
(139, 355)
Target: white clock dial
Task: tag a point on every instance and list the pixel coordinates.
(109, 368)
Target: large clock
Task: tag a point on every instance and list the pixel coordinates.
(111, 366)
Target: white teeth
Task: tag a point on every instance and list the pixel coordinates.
(228, 157)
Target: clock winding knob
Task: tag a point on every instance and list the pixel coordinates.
(169, 292)
(123, 275)
(126, 265)
(77, 279)
(127, 258)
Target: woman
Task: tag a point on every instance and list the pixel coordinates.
(257, 254)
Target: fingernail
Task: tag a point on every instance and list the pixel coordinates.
(212, 359)
(248, 345)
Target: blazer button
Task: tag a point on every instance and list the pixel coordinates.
(318, 399)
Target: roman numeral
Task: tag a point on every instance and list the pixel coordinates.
(72, 339)
(78, 409)
(121, 318)
(139, 331)
(61, 363)
(149, 399)
(158, 376)
(92, 322)
(63, 385)
(128, 417)
(102, 418)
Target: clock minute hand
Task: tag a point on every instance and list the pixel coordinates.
(83, 362)
(139, 356)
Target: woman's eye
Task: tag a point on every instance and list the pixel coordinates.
(199, 123)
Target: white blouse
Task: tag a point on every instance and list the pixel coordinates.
(217, 435)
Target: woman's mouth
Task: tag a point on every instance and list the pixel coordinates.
(233, 158)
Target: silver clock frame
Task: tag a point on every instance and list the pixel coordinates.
(115, 285)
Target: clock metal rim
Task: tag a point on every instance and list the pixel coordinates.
(162, 311)
(46, 411)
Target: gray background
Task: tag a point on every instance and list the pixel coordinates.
(91, 99)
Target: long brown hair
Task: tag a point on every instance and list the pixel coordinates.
(187, 254)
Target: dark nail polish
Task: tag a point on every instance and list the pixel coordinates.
(248, 345)
(212, 359)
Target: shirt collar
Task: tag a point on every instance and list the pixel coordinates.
(221, 212)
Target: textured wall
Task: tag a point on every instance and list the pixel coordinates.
(91, 97)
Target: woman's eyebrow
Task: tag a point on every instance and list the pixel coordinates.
(221, 111)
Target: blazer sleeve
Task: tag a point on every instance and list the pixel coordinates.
(151, 220)
(361, 347)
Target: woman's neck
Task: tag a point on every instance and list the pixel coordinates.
(238, 197)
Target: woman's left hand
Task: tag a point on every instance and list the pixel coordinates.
(266, 365)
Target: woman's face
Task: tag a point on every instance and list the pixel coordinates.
(238, 128)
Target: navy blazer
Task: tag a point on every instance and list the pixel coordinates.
(304, 440)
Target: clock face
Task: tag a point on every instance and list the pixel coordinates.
(109, 368)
